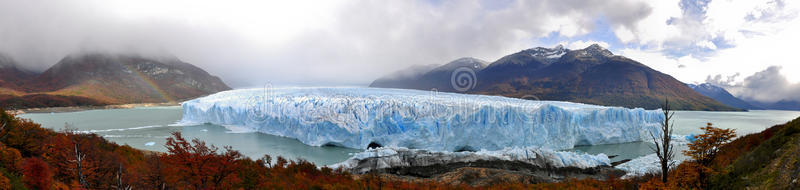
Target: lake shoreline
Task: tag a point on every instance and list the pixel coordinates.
(85, 108)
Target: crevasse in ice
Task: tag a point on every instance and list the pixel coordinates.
(356, 117)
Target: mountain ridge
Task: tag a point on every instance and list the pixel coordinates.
(591, 75)
(722, 96)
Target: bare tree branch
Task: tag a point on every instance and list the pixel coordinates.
(663, 147)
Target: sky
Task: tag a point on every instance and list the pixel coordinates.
(746, 46)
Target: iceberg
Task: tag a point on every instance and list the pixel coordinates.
(380, 158)
(357, 117)
(644, 165)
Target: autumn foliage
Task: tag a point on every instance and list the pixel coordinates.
(37, 174)
(44, 159)
(36, 158)
(199, 166)
(706, 146)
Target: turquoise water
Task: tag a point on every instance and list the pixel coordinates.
(689, 123)
(148, 127)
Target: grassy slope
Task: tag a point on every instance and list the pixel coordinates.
(15, 99)
(773, 163)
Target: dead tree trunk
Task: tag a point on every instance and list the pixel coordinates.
(79, 161)
(663, 148)
(2, 127)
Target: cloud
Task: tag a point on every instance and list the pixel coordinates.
(750, 45)
(580, 44)
(699, 28)
(248, 43)
(768, 86)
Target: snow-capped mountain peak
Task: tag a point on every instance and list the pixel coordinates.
(706, 86)
(595, 49)
(555, 52)
(470, 62)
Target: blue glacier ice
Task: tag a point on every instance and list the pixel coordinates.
(356, 117)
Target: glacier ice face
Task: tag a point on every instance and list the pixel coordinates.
(381, 158)
(356, 117)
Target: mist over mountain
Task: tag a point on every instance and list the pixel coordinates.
(11, 75)
(436, 77)
(86, 79)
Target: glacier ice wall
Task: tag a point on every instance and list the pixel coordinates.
(356, 117)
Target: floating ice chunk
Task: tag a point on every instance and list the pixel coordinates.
(400, 157)
(237, 129)
(356, 117)
(116, 130)
(150, 143)
(642, 165)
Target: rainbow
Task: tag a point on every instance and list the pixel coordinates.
(162, 94)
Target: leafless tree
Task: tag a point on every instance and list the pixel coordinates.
(3, 124)
(663, 148)
(79, 158)
(120, 173)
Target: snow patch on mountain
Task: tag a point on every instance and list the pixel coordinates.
(550, 53)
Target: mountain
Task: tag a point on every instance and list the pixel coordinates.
(721, 95)
(101, 79)
(11, 76)
(404, 77)
(779, 105)
(784, 105)
(127, 78)
(436, 78)
(591, 75)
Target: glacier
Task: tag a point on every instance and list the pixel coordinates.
(355, 117)
(389, 157)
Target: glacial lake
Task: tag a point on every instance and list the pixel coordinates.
(148, 127)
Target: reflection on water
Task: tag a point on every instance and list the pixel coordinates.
(148, 127)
